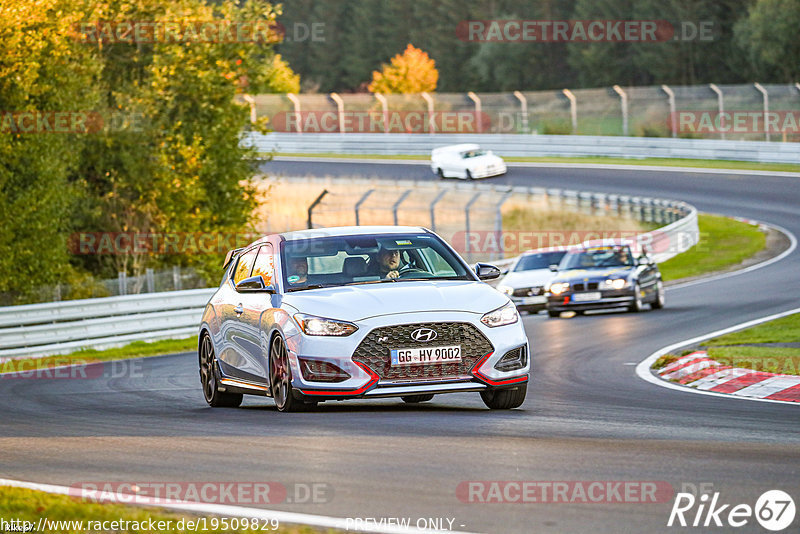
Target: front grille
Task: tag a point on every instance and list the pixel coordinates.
(592, 285)
(374, 350)
(578, 287)
(528, 291)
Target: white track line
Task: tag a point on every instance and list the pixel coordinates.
(222, 510)
(544, 165)
(643, 369)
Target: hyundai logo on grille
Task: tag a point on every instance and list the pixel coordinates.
(423, 334)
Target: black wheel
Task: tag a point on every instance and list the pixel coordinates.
(504, 399)
(413, 399)
(280, 378)
(209, 379)
(659, 301)
(553, 313)
(469, 175)
(637, 299)
(440, 173)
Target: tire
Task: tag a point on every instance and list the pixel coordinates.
(440, 174)
(209, 379)
(504, 399)
(552, 313)
(414, 399)
(659, 301)
(280, 379)
(637, 305)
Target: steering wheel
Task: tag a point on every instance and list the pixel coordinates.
(406, 270)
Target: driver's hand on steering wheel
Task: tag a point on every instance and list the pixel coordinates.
(392, 274)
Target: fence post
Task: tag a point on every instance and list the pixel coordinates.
(573, 109)
(433, 208)
(297, 110)
(150, 279)
(398, 202)
(720, 107)
(361, 201)
(250, 100)
(176, 278)
(672, 118)
(766, 108)
(623, 99)
(523, 102)
(431, 121)
(122, 282)
(472, 201)
(313, 205)
(385, 108)
(477, 102)
(340, 109)
(498, 224)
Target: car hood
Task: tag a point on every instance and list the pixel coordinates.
(534, 277)
(483, 161)
(593, 274)
(357, 302)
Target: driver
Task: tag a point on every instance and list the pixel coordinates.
(622, 256)
(386, 264)
(298, 270)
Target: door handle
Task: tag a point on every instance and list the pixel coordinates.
(238, 310)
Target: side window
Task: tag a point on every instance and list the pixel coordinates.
(264, 265)
(244, 265)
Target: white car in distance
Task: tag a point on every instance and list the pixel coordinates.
(466, 161)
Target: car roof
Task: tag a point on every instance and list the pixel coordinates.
(351, 230)
(610, 242)
(559, 248)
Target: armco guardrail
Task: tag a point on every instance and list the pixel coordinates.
(521, 145)
(37, 330)
(61, 327)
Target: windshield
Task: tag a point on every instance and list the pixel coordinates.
(540, 260)
(595, 257)
(473, 153)
(363, 259)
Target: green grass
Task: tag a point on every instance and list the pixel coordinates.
(783, 330)
(28, 505)
(723, 243)
(136, 349)
(663, 162)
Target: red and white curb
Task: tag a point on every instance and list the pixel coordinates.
(697, 370)
(730, 383)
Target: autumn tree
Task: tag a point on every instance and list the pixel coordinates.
(410, 72)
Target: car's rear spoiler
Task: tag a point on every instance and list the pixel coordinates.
(230, 256)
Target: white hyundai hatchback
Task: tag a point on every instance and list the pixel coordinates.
(359, 312)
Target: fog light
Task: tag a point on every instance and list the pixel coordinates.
(512, 360)
(322, 371)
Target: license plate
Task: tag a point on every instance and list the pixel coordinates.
(534, 300)
(426, 355)
(583, 297)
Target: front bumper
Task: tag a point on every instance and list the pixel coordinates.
(608, 299)
(373, 376)
(495, 170)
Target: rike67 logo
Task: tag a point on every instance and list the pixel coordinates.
(774, 510)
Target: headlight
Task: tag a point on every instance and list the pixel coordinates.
(501, 316)
(558, 288)
(320, 326)
(617, 283)
(505, 290)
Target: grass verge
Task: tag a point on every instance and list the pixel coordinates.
(21, 504)
(136, 349)
(741, 349)
(659, 162)
(723, 243)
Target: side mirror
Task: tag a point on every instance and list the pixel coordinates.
(644, 260)
(554, 267)
(486, 271)
(254, 284)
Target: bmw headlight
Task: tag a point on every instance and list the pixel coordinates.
(321, 326)
(501, 316)
(505, 290)
(558, 287)
(616, 283)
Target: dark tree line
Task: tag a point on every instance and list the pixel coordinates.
(750, 39)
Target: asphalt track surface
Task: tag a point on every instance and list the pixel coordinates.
(587, 416)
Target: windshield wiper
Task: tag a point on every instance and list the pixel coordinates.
(312, 286)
